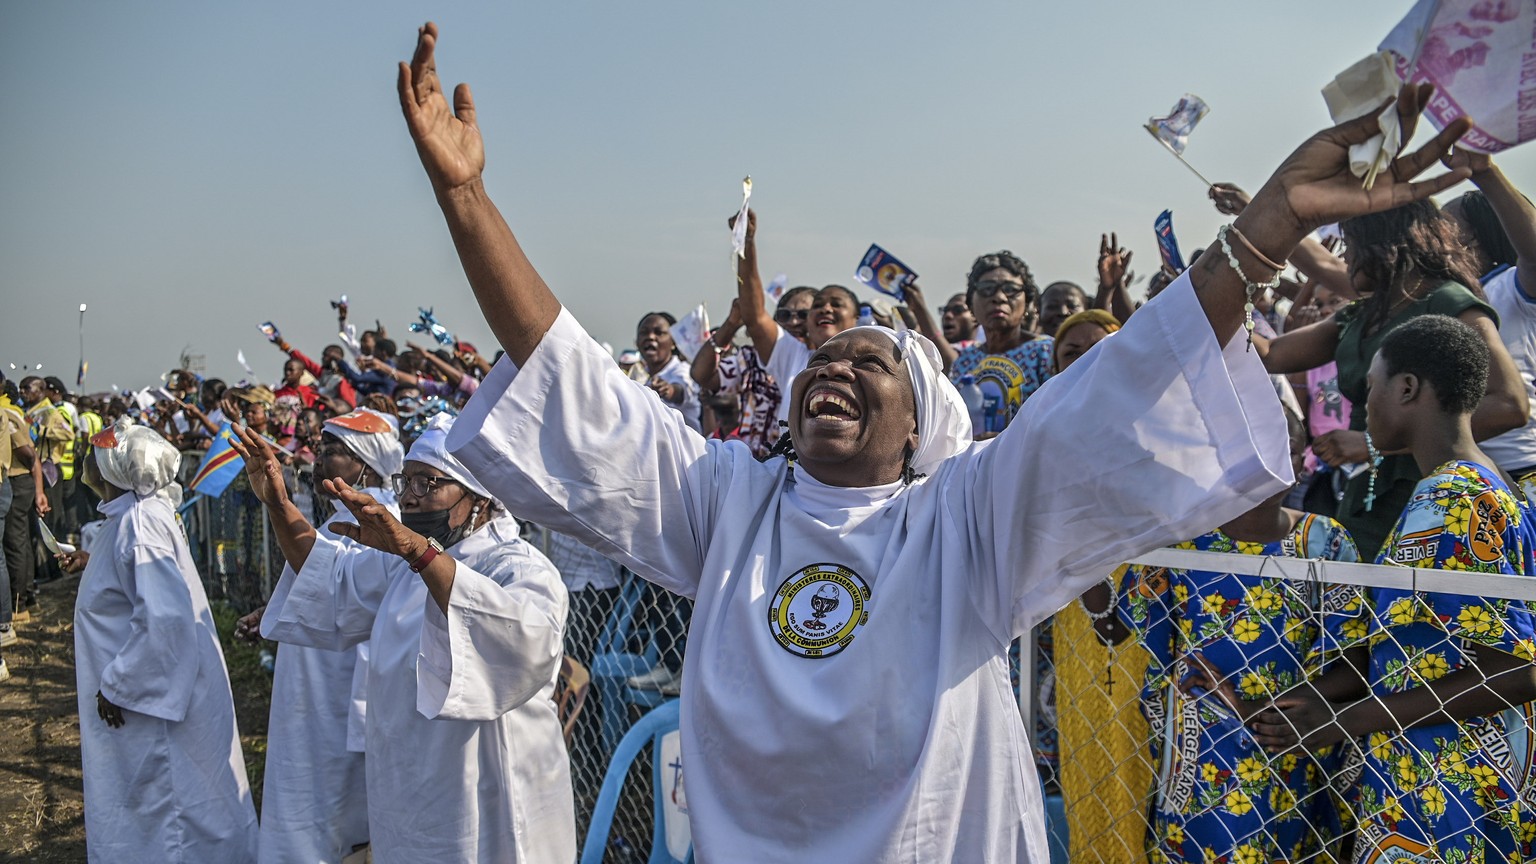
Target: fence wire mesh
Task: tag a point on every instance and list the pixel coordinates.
(1413, 742)
(1144, 712)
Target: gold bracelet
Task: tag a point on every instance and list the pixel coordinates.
(1263, 259)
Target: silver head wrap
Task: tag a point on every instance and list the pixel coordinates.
(138, 459)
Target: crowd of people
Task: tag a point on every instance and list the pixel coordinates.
(846, 528)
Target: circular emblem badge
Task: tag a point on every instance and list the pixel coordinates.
(818, 610)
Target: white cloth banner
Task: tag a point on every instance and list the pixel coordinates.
(1481, 57)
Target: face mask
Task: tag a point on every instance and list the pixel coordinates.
(434, 524)
(431, 524)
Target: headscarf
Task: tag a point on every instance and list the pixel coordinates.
(432, 449)
(260, 393)
(1110, 323)
(138, 459)
(943, 423)
(374, 437)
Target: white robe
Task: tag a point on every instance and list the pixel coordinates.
(465, 757)
(904, 744)
(314, 798)
(169, 785)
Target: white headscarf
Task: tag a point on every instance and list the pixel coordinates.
(943, 423)
(379, 450)
(140, 461)
(432, 449)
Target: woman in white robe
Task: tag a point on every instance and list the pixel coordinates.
(163, 773)
(314, 803)
(464, 754)
(846, 695)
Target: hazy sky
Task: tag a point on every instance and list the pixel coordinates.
(192, 169)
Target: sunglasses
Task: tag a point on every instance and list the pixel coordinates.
(957, 310)
(788, 316)
(419, 485)
(1009, 289)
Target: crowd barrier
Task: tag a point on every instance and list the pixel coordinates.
(1109, 769)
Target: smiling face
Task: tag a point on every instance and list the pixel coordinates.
(852, 415)
(1075, 343)
(834, 310)
(1000, 303)
(794, 314)
(654, 339)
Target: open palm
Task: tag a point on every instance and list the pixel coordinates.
(1318, 188)
(448, 141)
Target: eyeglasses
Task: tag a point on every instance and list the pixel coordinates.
(957, 309)
(1009, 289)
(786, 316)
(419, 485)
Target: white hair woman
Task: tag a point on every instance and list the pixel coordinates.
(164, 775)
(845, 693)
(465, 757)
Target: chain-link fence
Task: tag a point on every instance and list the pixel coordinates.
(1415, 742)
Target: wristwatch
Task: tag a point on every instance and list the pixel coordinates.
(432, 551)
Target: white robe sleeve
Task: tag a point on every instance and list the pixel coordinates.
(332, 601)
(156, 668)
(497, 646)
(1157, 435)
(570, 443)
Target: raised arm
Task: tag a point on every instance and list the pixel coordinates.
(516, 303)
(1516, 215)
(1312, 188)
(750, 302)
(917, 304)
(1114, 278)
(1311, 257)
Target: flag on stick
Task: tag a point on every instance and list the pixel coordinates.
(220, 465)
(1172, 131)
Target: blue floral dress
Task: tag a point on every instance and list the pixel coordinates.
(1451, 792)
(1219, 796)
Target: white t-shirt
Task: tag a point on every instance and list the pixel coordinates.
(846, 690)
(789, 359)
(1516, 448)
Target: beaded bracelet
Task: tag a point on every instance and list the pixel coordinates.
(1250, 288)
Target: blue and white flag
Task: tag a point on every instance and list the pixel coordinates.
(1173, 130)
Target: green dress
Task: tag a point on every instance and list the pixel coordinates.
(1398, 474)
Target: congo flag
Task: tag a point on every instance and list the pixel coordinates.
(219, 466)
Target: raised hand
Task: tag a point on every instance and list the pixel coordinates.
(1473, 161)
(1229, 199)
(448, 142)
(261, 466)
(376, 528)
(1314, 186)
(1113, 261)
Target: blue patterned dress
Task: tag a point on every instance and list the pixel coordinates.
(1219, 796)
(1007, 379)
(1452, 792)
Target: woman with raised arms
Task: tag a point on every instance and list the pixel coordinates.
(846, 693)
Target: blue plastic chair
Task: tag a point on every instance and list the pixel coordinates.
(612, 664)
(1055, 825)
(651, 729)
